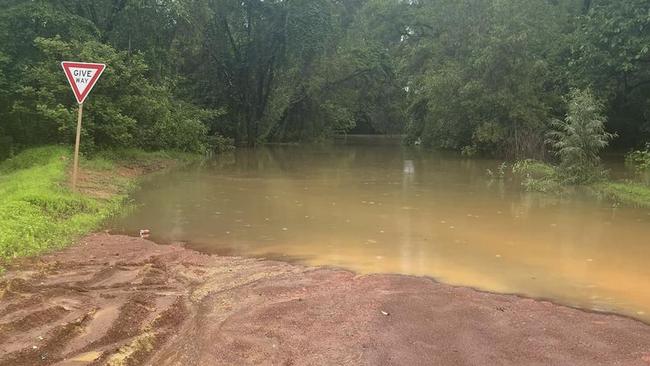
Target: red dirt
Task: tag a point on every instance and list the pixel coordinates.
(116, 300)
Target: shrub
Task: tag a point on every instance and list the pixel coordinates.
(126, 109)
(218, 143)
(537, 176)
(578, 139)
(639, 160)
(500, 172)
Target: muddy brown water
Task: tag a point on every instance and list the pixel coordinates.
(380, 208)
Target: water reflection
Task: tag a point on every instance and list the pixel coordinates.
(384, 209)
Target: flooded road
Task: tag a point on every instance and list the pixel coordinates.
(381, 208)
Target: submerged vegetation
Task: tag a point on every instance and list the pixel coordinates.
(537, 176)
(38, 212)
(635, 191)
(577, 141)
(639, 160)
(628, 192)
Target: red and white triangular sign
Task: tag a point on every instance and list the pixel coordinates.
(82, 76)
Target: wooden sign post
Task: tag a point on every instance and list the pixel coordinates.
(82, 76)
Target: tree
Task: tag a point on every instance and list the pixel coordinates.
(611, 54)
(578, 139)
(479, 74)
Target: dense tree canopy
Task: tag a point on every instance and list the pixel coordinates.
(477, 76)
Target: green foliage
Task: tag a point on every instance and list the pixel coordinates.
(180, 72)
(478, 74)
(537, 176)
(500, 172)
(126, 109)
(302, 70)
(639, 160)
(533, 169)
(578, 139)
(610, 51)
(631, 193)
(220, 144)
(482, 77)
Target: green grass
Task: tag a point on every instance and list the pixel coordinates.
(33, 157)
(38, 212)
(631, 193)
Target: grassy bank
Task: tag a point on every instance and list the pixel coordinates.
(39, 212)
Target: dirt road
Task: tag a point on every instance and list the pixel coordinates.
(116, 300)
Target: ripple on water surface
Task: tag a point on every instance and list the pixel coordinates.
(385, 209)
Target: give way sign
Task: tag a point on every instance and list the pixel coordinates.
(82, 76)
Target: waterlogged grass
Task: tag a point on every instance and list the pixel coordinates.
(631, 193)
(537, 176)
(38, 211)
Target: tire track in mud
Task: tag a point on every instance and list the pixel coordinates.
(113, 307)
